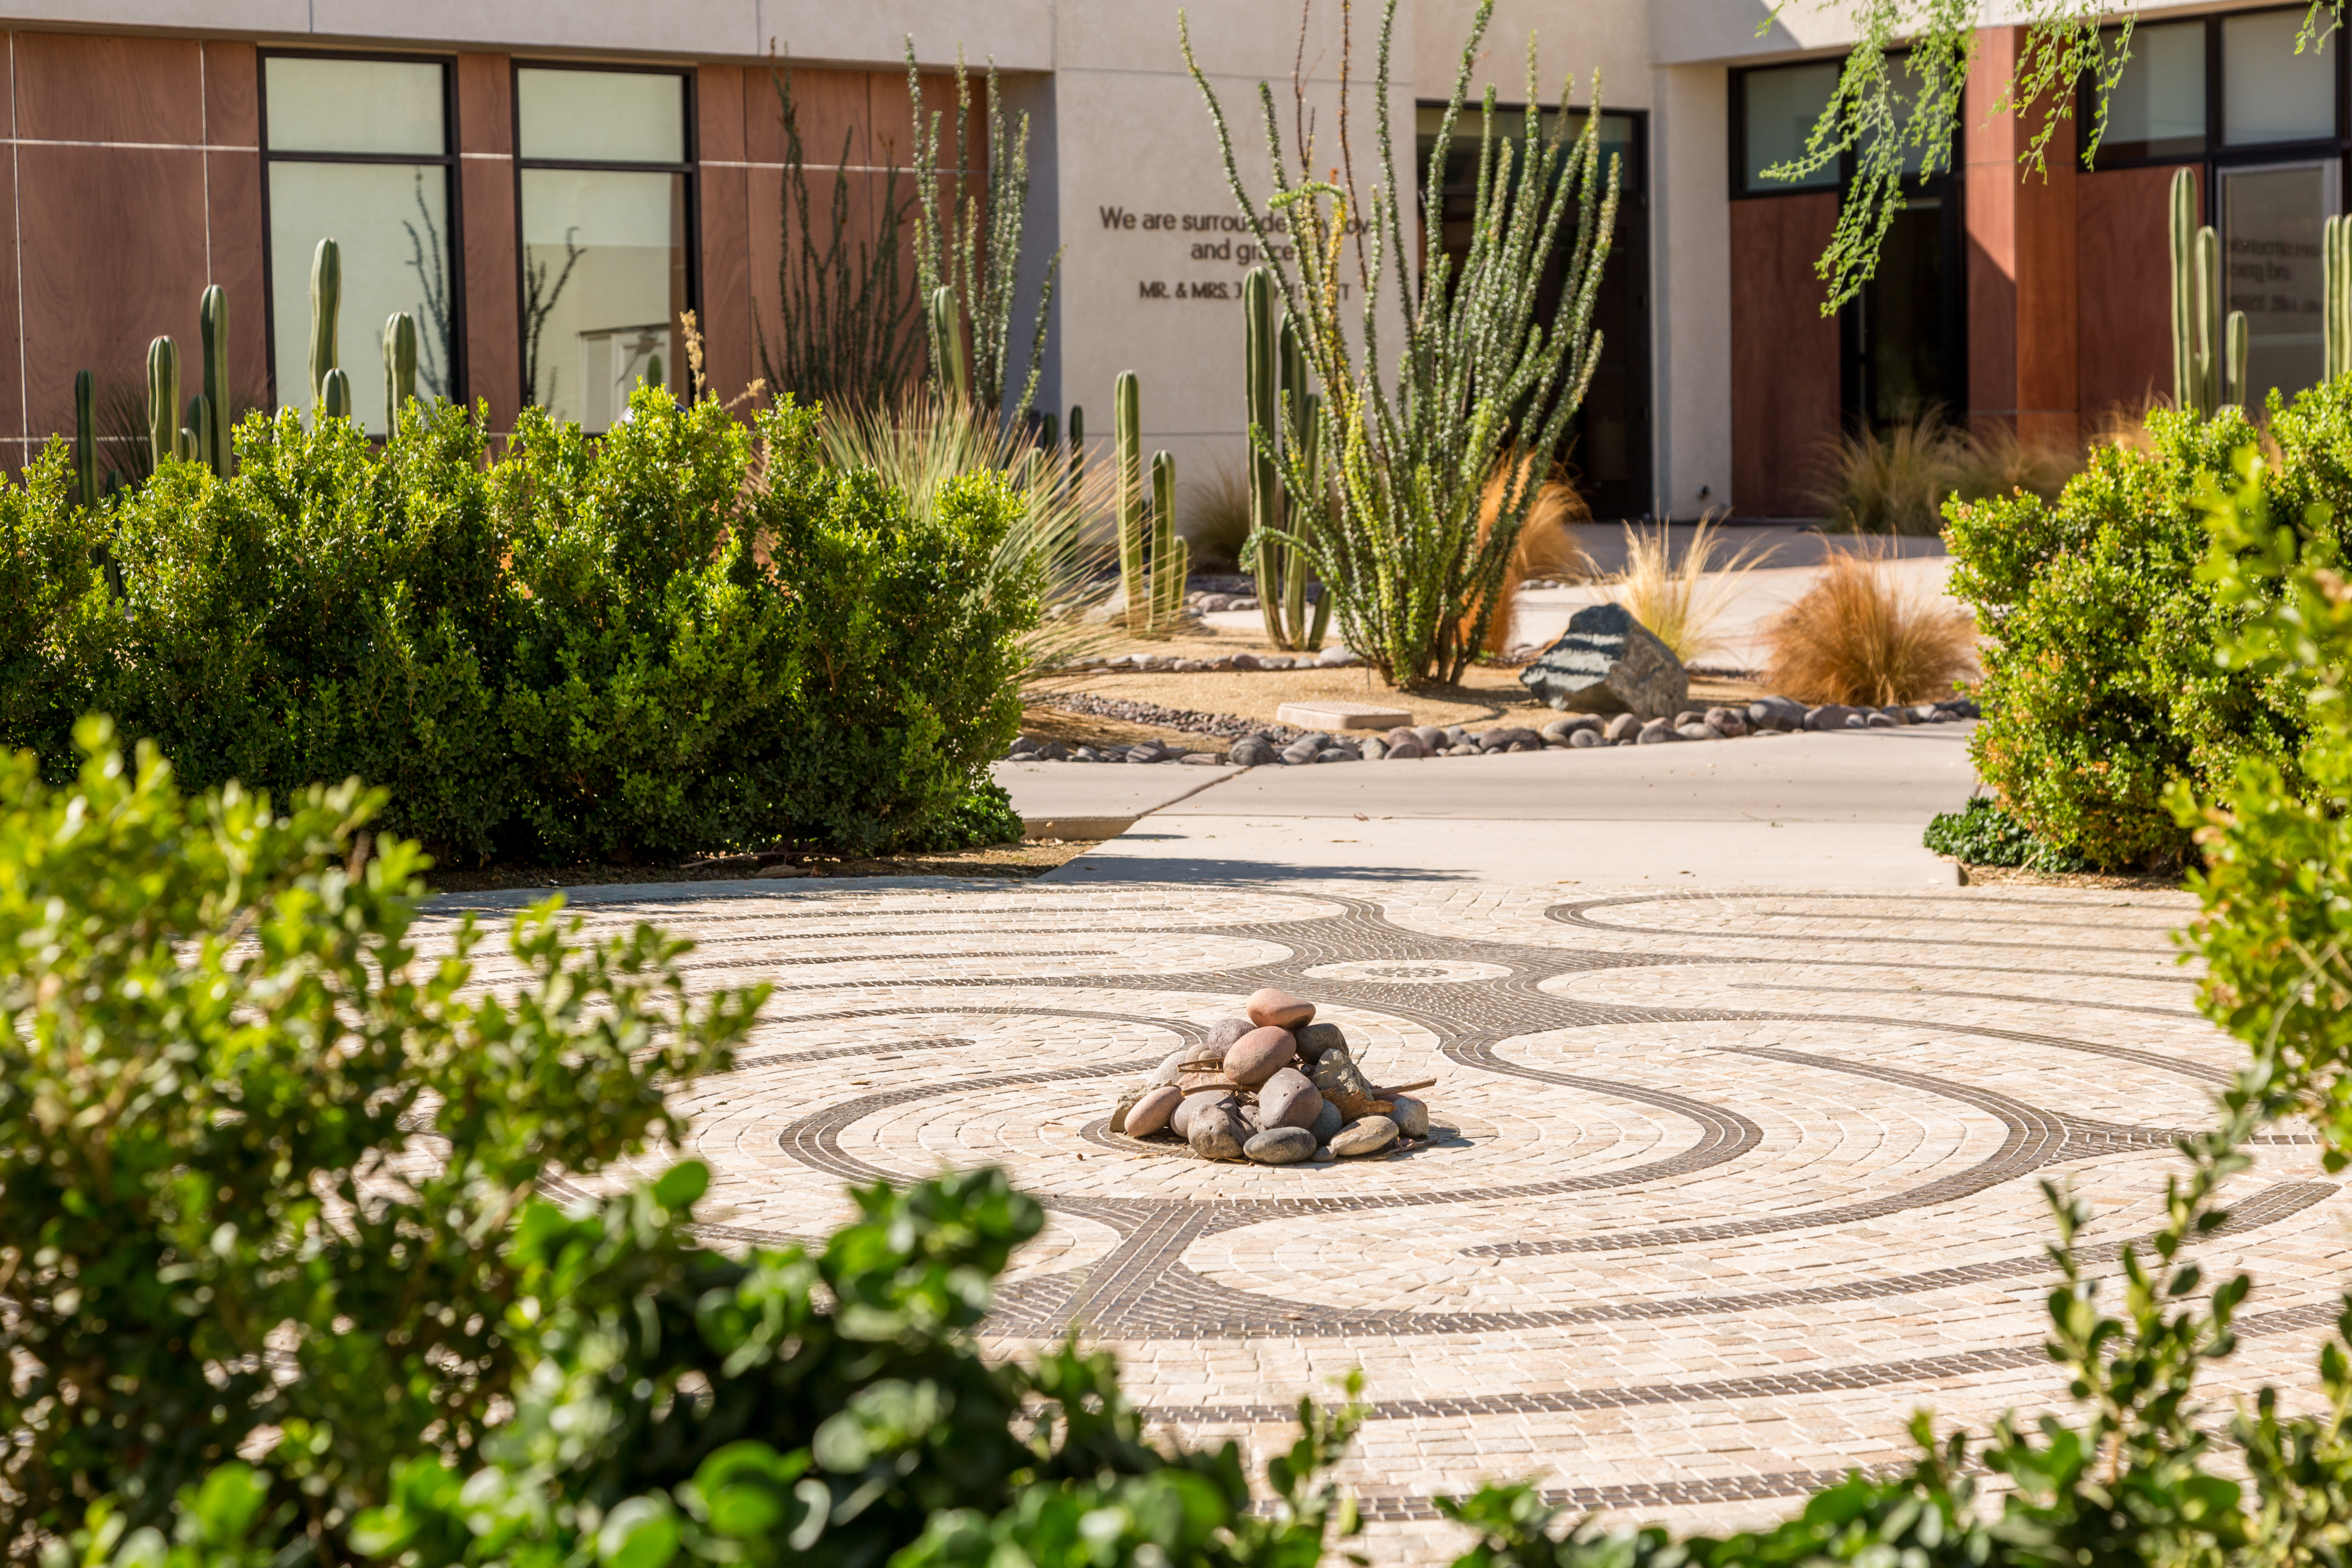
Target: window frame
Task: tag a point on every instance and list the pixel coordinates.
(2218, 155)
(450, 160)
(690, 168)
(1737, 140)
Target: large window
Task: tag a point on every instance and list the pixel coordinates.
(2265, 126)
(605, 177)
(358, 151)
(1904, 356)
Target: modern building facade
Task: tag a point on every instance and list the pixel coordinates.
(548, 186)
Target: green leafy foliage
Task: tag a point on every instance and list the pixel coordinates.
(1981, 834)
(681, 636)
(220, 1049)
(2101, 685)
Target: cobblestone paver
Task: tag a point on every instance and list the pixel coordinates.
(1723, 1186)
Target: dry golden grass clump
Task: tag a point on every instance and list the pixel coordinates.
(1859, 637)
(1545, 547)
(1897, 483)
(1215, 518)
(1681, 600)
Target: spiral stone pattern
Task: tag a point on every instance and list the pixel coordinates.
(1722, 1186)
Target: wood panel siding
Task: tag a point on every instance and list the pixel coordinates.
(1784, 354)
(2021, 231)
(721, 92)
(2124, 319)
(235, 241)
(486, 211)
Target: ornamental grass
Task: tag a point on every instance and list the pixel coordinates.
(1682, 600)
(1859, 637)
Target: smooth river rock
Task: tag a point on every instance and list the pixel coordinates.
(1316, 1038)
(1150, 1113)
(1273, 1009)
(1327, 1121)
(1411, 1116)
(1169, 1066)
(1259, 1055)
(1227, 1031)
(1288, 1100)
(1281, 1146)
(1369, 1136)
(1217, 1133)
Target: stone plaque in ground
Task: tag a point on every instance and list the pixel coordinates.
(1608, 662)
(1339, 715)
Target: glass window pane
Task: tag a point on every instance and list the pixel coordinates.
(604, 281)
(1783, 104)
(2158, 109)
(392, 222)
(2269, 93)
(354, 106)
(2271, 251)
(602, 117)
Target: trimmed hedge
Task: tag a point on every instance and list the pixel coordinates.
(2101, 685)
(682, 636)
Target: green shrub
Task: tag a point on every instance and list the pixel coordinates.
(217, 1053)
(2100, 682)
(1981, 834)
(682, 636)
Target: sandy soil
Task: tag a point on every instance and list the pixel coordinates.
(1483, 696)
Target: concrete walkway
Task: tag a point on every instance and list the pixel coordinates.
(1781, 811)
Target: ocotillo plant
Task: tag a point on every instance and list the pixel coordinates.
(2208, 356)
(975, 247)
(326, 301)
(1127, 431)
(1413, 431)
(1170, 556)
(399, 368)
(1275, 388)
(2335, 290)
(85, 443)
(213, 447)
(163, 400)
(947, 334)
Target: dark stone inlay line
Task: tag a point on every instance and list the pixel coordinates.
(2190, 1013)
(1200, 1308)
(2035, 1138)
(1574, 915)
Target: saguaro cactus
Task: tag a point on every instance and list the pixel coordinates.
(399, 369)
(1280, 421)
(85, 443)
(163, 400)
(213, 447)
(2209, 354)
(2335, 290)
(326, 301)
(1170, 556)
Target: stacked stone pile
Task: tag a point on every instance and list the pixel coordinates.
(1275, 1088)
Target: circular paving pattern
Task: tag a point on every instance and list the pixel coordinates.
(1726, 1184)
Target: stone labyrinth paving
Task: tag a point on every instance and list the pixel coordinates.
(1723, 1186)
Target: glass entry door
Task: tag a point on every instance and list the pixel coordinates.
(2270, 230)
(1905, 358)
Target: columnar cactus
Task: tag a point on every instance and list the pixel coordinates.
(195, 429)
(163, 400)
(399, 369)
(2336, 273)
(326, 301)
(1078, 442)
(946, 331)
(2208, 356)
(335, 396)
(1275, 393)
(85, 444)
(213, 448)
(1127, 429)
(1170, 555)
